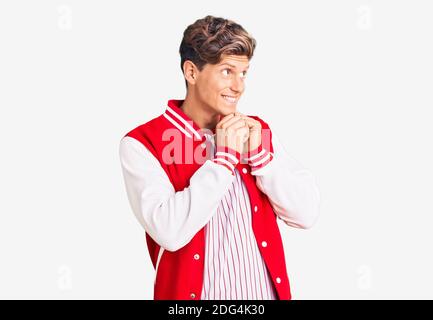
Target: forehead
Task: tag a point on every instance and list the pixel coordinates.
(239, 62)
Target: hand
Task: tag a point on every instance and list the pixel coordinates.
(232, 131)
(255, 132)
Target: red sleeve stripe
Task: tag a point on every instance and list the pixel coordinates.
(232, 158)
(225, 162)
(228, 153)
(227, 157)
(258, 157)
(251, 155)
(265, 156)
(262, 164)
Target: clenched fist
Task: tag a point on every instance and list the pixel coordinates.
(233, 132)
(255, 132)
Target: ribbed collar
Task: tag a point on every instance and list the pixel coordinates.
(181, 121)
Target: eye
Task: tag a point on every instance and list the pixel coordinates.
(226, 73)
(244, 74)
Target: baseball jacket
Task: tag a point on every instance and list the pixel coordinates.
(174, 186)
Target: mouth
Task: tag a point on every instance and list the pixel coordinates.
(230, 99)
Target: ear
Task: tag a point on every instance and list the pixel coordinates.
(190, 72)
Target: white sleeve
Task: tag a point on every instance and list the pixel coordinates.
(291, 188)
(170, 218)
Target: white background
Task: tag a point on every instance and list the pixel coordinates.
(346, 85)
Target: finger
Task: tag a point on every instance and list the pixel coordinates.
(251, 123)
(249, 120)
(230, 122)
(224, 119)
(243, 133)
(237, 124)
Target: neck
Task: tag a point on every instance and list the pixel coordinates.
(203, 116)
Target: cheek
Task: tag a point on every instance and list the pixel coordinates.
(221, 87)
(216, 88)
(212, 88)
(217, 84)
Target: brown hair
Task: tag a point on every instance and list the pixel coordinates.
(207, 39)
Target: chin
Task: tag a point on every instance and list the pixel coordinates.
(226, 110)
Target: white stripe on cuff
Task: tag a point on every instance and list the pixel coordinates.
(225, 162)
(254, 164)
(256, 156)
(228, 155)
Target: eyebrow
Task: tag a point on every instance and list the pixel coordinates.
(234, 67)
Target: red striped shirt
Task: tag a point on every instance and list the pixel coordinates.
(234, 268)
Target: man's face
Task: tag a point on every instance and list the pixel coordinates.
(220, 86)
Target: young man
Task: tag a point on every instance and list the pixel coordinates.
(208, 183)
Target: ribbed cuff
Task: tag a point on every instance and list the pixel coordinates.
(227, 157)
(257, 158)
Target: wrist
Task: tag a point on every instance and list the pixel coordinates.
(227, 157)
(257, 158)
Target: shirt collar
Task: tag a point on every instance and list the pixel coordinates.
(183, 123)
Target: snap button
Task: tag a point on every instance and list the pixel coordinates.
(192, 295)
(255, 208)
(244, 170)
(264, 244)
(278, 280)
(196, 256)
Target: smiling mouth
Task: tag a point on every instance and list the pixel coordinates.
(230, 99)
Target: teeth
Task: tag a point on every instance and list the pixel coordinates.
(230, 99)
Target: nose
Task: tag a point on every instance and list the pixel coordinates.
(237, 85)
